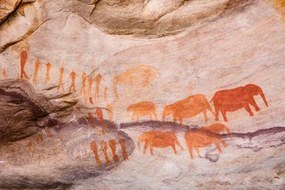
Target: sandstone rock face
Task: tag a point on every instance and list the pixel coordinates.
(83, 82)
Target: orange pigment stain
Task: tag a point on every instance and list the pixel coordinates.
(104, 148)
(23, 61)
(113, 146)
(72, 85)
(94, 148)
(124, 150)
(36, 71)
(142, 109)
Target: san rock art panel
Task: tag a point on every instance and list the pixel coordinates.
(151, 94)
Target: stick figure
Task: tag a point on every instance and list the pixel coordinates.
(83, 86)
(72, 85)
(37, 66)
(60, 82)
(48, 66)
(98, 82)
(90, 82)
(23, 60)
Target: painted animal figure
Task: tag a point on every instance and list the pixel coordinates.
(234, 99)
(188, 107)
(142, 108)
(138, 76)
(201, 139)
(159, 139)
(217, 128)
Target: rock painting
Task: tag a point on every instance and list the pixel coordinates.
(151, 94)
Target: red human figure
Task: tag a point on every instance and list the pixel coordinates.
(94, 148)
(72, 85)
(124, 151)
(48, 67)
(113, 146)
(100, 116)
(98, 82)
(90, 83)
(37, 67)
(60, 82)
(23, 60)
(83, 87)
(104, 149)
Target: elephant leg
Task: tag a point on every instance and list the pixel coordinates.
(190, 151)
(223, 143)
(224, 113)
(253, 103)
(150, 116)
(174, 148)
(205, 115)
(247, 108)
(145, 147)
(155, 116)
(151, 150)
(198, 152)
(218, 147)
(217, 113)
(138, 117)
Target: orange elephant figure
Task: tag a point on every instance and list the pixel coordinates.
(234, 99)
(138, 76)
(142, 108)
(201, 139)
(216, 128)
(188, 107)
(159, 139)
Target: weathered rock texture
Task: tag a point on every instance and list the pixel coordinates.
(128, 52)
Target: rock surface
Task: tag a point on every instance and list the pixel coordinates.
(138, 51)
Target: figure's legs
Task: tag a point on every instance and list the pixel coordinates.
(217, 113)
(145, 147)
(151, 150)
(218, 147)
(198, 152)
(247, 108)
(205, 115)
(181, 120)
(174, 148)
(253, 103)
(223, 143)
(190, 152)
(224, 113)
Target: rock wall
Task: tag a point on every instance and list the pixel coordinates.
(82, 82)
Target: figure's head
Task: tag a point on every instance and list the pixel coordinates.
(166, 111)
(254, 90)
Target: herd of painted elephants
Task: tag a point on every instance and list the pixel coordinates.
(227, 100)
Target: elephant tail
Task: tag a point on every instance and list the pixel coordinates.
(263, 97)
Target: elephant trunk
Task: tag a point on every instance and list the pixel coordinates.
(263, 97)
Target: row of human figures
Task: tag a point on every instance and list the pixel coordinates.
(224, 101)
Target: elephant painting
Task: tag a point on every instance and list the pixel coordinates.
(188, 107)
(141, 109)
(139, 76)
(159, 139)
(234, 99)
